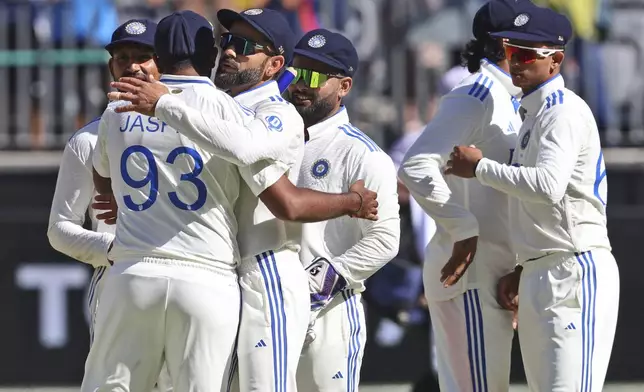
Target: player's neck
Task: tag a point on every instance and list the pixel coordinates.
(236, 90)
(188, 71)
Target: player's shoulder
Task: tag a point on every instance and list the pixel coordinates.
(564, 104)
(477, 86)
(83, 140)
(351, 141)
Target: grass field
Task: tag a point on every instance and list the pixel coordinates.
(366, 388)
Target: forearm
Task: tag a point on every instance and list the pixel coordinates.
(76, 242)
(531, 184)
(378, 246)
(102, 184)
(423, 178)
(236, 143)
(306, 205)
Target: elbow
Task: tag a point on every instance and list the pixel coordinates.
(551, 196)
(53, 237)
(287, 210)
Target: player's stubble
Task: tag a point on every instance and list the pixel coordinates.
(247, 77)
(319, 108)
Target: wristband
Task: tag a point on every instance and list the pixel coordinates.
(361, 201)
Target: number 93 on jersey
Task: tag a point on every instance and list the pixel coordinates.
(140, 172)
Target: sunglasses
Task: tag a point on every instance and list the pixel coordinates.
(241, 45)
(313, 79)
(526, 54)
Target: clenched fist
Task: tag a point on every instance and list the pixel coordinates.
(368, 203)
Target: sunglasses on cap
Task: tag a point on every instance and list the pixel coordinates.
(313, 79)
(241, 45)
(526, 54)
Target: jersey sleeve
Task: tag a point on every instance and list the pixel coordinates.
(559, 147)
(261, 175)
(72, 197)
(455, 123)
(100, 157)
(212, 128)
(380, 239)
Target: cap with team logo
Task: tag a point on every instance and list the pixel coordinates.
(538, 24)
(134, 31)
(330, 48)
(496, 15)
(184, 35)
(270, 23)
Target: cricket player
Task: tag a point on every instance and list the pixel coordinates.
(132, 52)
(338, 254)
(568, 280)
(172, 292)
(473, 333)
(274, 286)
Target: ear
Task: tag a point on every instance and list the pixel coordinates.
(345, 86)
(110, 64)
(557, 59)
(274, 65)
(158, 63)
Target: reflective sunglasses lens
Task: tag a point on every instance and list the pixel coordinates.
(240, 45)
(313, 79)
(525, 56)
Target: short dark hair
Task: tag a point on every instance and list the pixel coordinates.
(478, 49)
(175, 66)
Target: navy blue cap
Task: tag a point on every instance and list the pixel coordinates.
(136, 31)
(272, 24)
(538, 24)
(330, 48)
(184, 35)
(496, 15)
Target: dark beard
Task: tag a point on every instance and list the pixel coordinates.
(316, 112)
(228, 80)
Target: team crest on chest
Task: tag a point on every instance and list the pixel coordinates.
(525, 140)
(320, 168)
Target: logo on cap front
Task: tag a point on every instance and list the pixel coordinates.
(254, 11)
(317, 41)
(135, 28)
(521, 20)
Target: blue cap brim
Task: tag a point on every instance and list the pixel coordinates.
(130, 40)
(522, 36)
(227, 17)
(323, 59)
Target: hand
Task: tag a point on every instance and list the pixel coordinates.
(507, 290)
(142, 94)
(463, 160)
(462, 256)
(107, 203)
(369, 208)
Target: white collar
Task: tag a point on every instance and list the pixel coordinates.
(258, 94)
(533, 100)
(341, 117)
(184, 79)
(501, 76)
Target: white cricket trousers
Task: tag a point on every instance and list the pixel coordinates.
(568, 305)
(473, 336)
(149, 312)
(274, 320)
(164, 384)
(332, 361)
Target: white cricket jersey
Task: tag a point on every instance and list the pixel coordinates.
(259, 230)
(480, 111)
(72, 199)
(557, 177)
(176, 199)
(337, 155)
